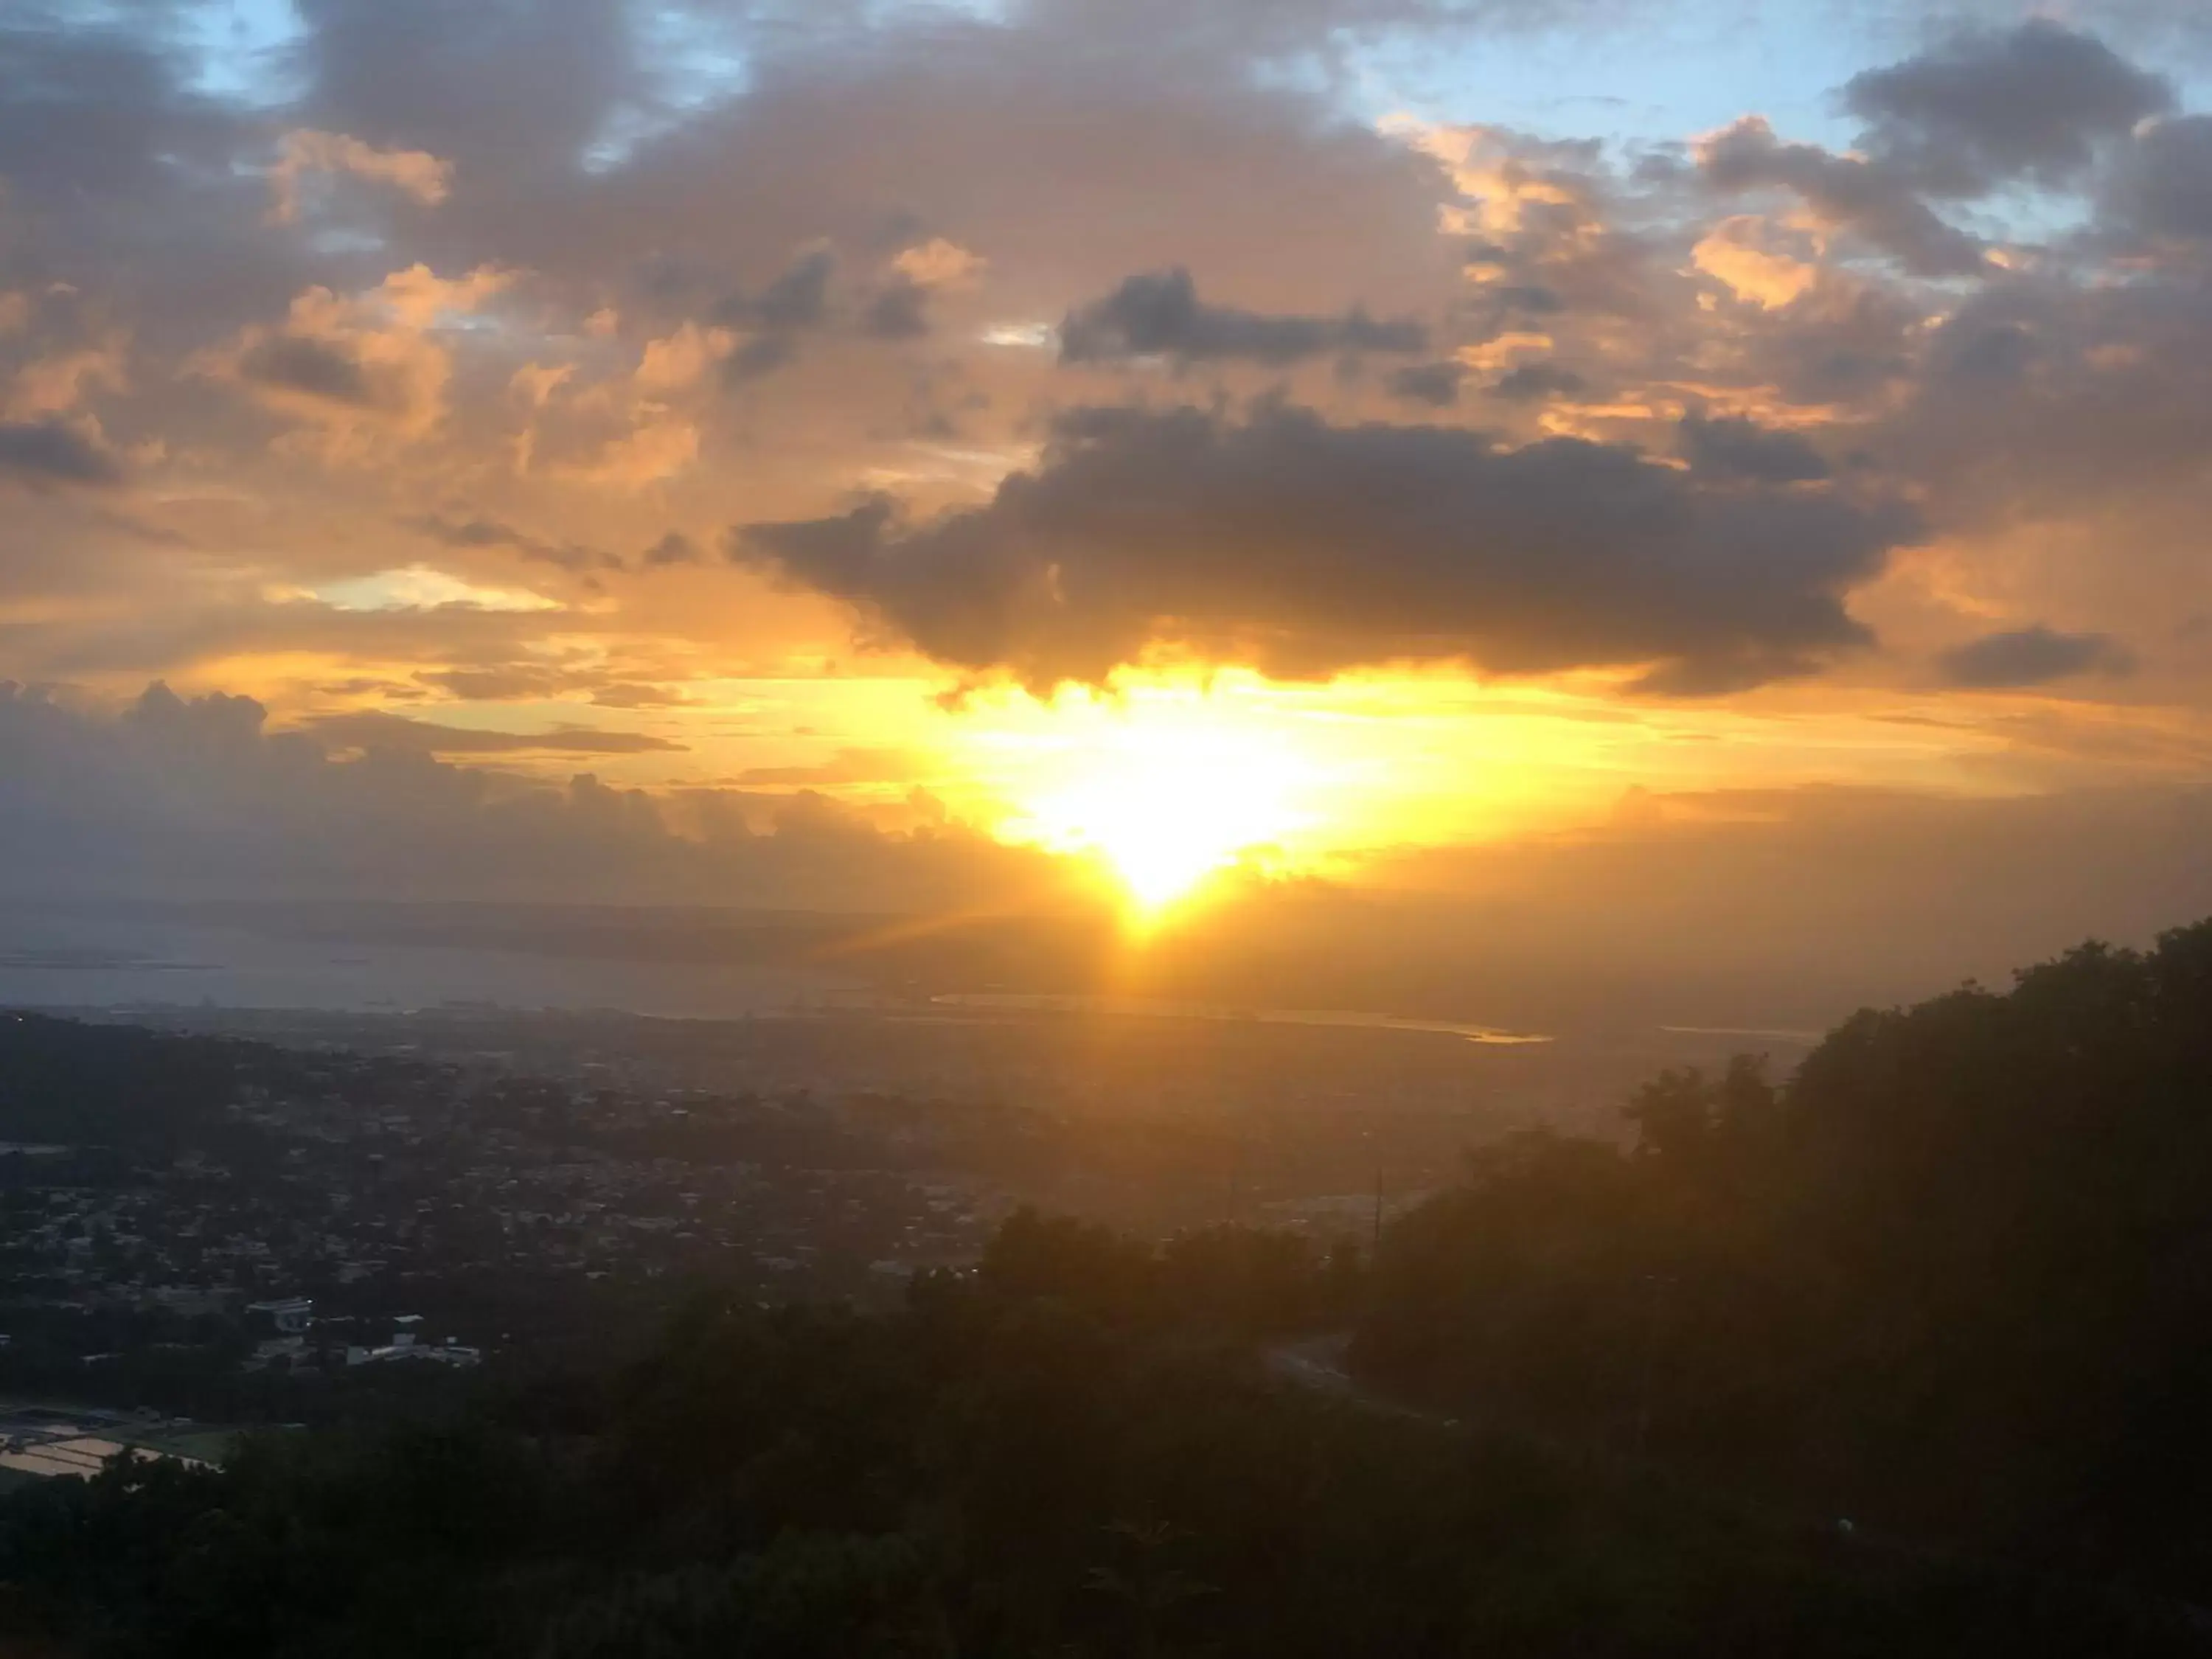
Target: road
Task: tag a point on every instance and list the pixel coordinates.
(1318, 1363)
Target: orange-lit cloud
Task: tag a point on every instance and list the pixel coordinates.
(304, 154)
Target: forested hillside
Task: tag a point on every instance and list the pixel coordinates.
(1956, 1274)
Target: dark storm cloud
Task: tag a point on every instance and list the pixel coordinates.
(1160, 314)
(1878, 201)
(395, 734)
(291, 363)
(1734, 446)
(1988, 107)
(1308, 549)
(2032, 656)
(45, 453)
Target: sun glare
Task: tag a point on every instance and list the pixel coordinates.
(1169, 799)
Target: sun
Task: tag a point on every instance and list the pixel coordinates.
(1169, 795)
(1165, 823)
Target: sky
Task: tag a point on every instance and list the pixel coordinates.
(1610, 477)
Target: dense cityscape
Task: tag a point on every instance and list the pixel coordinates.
(339, 1210)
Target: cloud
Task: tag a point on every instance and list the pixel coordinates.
(366, 372)
(899, 308)
(419, 298)
(373, 730)
(419, 588)
(1434, 384)
(682, 359)
(196, 798)
(837, 174)
(42, 453)
(2050, 404)
(1309, 548)
(846, 766)
(758, 358)
(2032, 656)
(477, 532)
(900, 311)
(1811, 901)
(304, 153)
(1747, 670)
(673, 549)
(95, 114)
(500, 92)
(1877, 200)
(1533, 382)
(1986, 107)
(532, 682)
(938, 263)
(2163, 185)
(793, 302)
(55, 383)
(661, 445)
(1160, 314)
(1734, 446)
(289, 363)
(504, 684)
(798, 298)
(1745, 253)
(1239, 32)
(625, 694)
